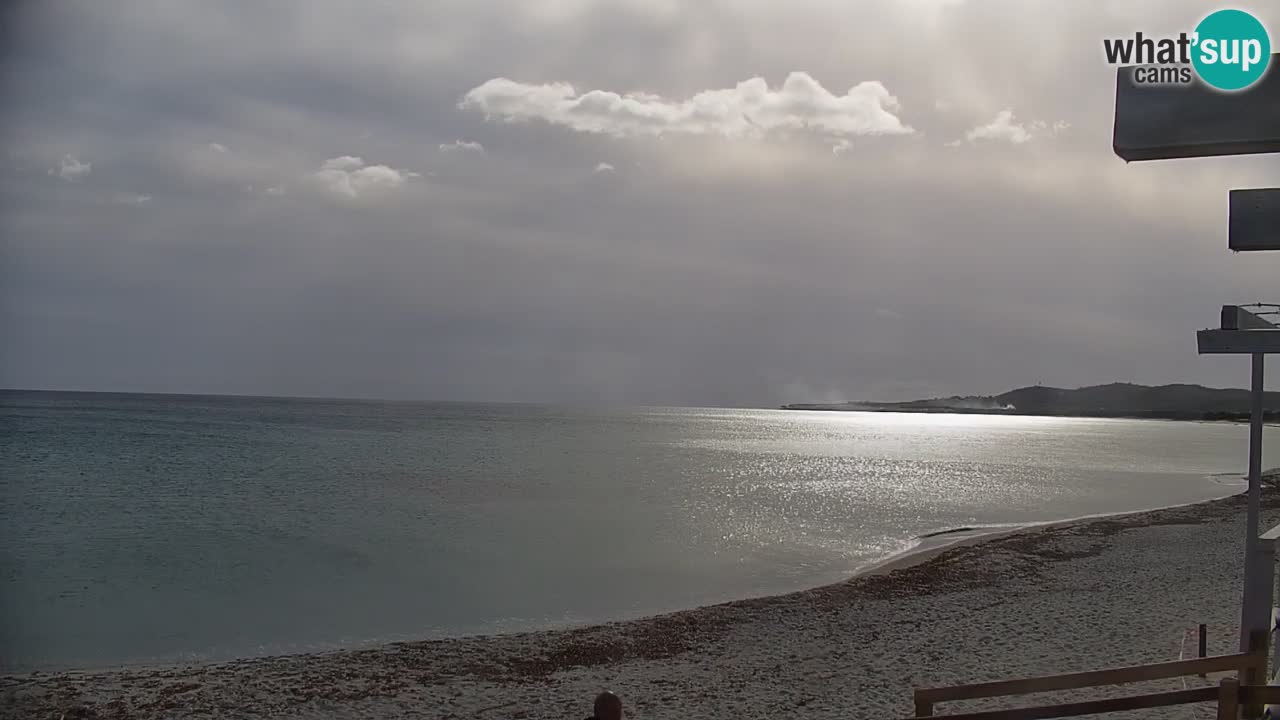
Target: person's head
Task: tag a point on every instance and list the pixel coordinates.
(608, 706)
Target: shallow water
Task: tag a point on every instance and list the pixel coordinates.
(157, 528)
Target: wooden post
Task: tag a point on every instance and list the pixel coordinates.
(1228, 699)
(1256, 675)
(1263, 609)
(1257, 646)
(924, 706)
(1204, 642)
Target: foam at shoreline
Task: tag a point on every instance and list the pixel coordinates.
(929, 544)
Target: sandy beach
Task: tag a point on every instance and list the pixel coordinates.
(1089, 594)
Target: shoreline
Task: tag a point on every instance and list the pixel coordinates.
(927, 547)
(972, 585)
(926, 551)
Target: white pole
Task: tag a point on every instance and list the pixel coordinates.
(1253, 574)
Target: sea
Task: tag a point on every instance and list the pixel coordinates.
(171, 529)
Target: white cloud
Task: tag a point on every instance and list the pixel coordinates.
(749, 109)
(275, 190)
(346, 162)
(218, 147)
(71, 169)
(351, 177)
(1005, 128)
(604, 167)
(133, 199)
(462, 146)
(841, 147)
(1002, 128)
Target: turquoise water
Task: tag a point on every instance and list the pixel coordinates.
(161, 528)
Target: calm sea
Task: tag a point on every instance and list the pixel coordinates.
(141, 528)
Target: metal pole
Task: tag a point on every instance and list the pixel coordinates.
(1255, 449)
(1252, 594)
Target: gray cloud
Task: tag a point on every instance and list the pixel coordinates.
(134, 199)
(724, 266)
(462, 146)
(71, 169)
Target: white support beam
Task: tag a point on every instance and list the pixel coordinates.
(1238, 342)
(1254, 222)
(1235, 317)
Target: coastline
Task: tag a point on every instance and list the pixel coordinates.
(936, 542)
(924, 548)
(754, 649)
(1269, 421)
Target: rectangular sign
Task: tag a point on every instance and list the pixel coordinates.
(1255, 219)
(1165, 121)
(1238, 342)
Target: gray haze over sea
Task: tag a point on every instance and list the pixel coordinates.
(147, 528)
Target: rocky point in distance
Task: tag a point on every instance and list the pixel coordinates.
(1168, 402)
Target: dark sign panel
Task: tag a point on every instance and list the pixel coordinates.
(1165, 121)
(1255, 219)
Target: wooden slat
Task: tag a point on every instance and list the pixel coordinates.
(1091, 678)
(1091, 707)
(1260, 695)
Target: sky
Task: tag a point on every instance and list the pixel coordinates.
(653, 202)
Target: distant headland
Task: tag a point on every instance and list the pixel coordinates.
(1118, 400)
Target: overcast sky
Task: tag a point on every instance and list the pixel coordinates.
(647, 201)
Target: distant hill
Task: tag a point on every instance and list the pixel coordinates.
(1173, 402)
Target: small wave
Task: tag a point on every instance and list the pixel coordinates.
(950, 531)
(971, 530)
(1228, 478)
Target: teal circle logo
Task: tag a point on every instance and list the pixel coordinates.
(1231, 49)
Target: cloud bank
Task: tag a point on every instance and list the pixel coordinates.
(749, 109)
(707, 270)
